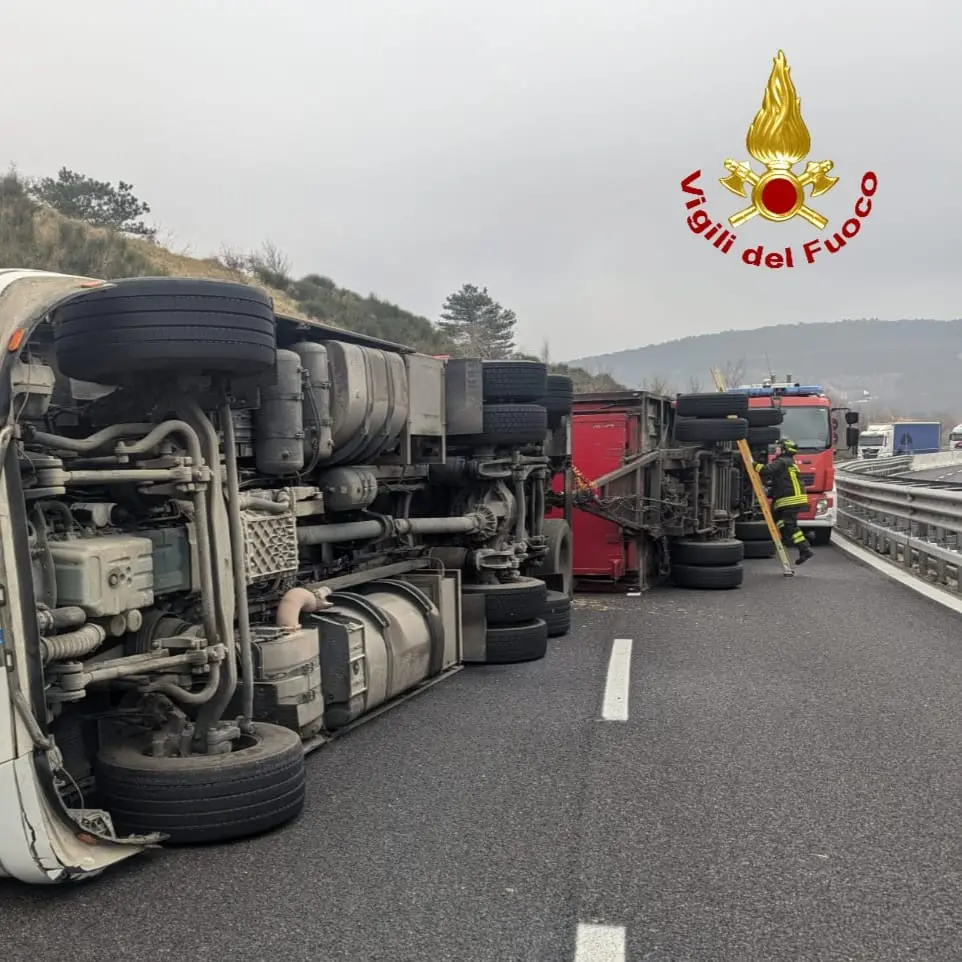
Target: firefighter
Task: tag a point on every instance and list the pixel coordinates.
(788, 496)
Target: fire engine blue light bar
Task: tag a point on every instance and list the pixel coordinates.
(803, 390)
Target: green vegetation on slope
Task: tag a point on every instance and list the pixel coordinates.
(110, 241)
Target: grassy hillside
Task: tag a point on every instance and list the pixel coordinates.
(35, 236)
(909, 367)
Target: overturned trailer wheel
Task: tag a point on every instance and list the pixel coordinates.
(513, 612)
(160, 324)
(764, 417)
(257, 786)
(513, 602)
(513, 380)
(710, 430)
(762, 437)
(714, 405)
(557, 614)
(756, 539)
(505, 425)
(558, 398)
(707, 564)
(513, 644)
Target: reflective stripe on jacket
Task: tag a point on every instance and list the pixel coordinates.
(785, 483)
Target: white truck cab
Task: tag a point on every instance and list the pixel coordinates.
(876, 441)
(955, 438)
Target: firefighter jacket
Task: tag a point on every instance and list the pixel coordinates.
(784, 482)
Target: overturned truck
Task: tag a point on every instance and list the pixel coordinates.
(657, 490)
(227, 536)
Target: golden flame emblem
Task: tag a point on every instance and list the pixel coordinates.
(779, 139)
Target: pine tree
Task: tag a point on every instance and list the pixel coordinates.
(477, 324)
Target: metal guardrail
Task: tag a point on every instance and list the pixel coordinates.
(916, 524)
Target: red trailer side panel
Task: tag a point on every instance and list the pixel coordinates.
(599, 443)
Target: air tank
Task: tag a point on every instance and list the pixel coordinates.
(279, 421)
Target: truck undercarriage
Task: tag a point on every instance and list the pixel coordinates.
(229, 535)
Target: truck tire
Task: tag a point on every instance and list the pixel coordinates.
(710, 430)
(556, 568)
(513, 644)
(557, 614)
(764, 417)
(820, 536)
(510, 424)
(165, 324)
(762, 437)
(708, 554)
(513, 602)
(204, 798)
(759, 549)
(513, 380)
(752, 530)
(716, 405)
(710, 579)
(558, 397)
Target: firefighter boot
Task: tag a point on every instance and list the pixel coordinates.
(804, 553)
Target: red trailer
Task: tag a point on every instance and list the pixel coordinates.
(638, 488)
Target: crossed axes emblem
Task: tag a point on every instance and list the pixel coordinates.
(815, 173)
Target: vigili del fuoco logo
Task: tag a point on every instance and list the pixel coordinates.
(778, 139)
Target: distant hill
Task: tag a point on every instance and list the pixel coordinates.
(912, 368)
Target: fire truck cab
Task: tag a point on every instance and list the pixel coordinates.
(806, 420)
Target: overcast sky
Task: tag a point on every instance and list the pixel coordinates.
(404, 147)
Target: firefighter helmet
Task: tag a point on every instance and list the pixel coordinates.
(788, 446)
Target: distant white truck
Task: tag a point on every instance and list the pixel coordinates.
(900, 437)
(955, 438)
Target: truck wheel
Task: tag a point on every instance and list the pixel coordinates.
(760, 549)
(764, 417)
(559, 396)
(820, 536)
(512, 644)
(556, 568)
(165, 324)
(709, 430)
(717, 405)
(708, 554)
(510, 424)
(693, 576)
(752, 531)
(513, 380)
(557, 614)
(205, 798)
(762, 437)
(513, 602)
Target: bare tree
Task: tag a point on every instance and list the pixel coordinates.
(167, 237)
(733, 372)
(273, 258)
(694, 385)
(545, 352)
(233, 259)
(656, 385)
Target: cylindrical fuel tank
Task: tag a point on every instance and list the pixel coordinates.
(376, 643)
(279, 421)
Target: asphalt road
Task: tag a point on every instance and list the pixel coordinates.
(948, 472)
(786, 788)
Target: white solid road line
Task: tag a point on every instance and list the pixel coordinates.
(600, 943)
(615, 705)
